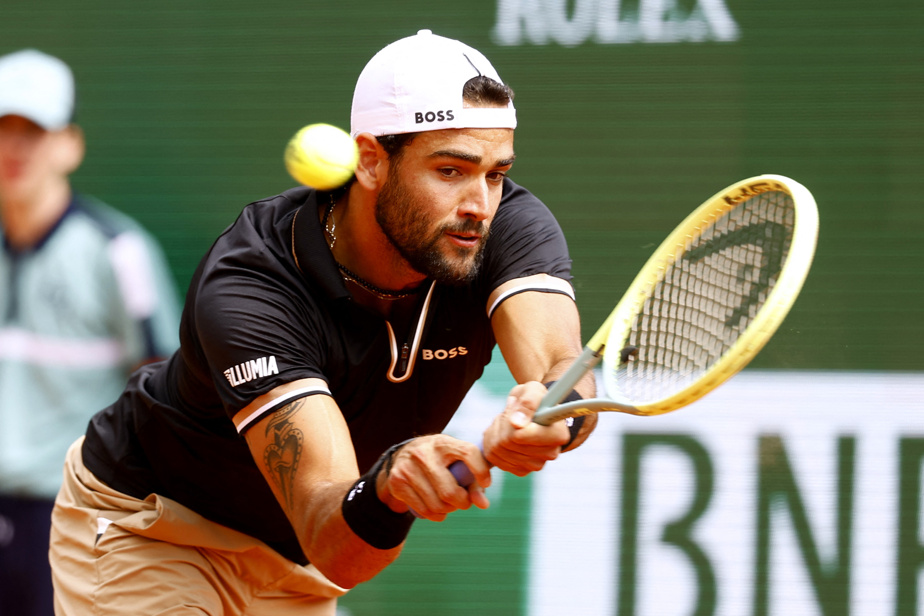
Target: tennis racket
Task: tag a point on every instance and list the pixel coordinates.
(705, 303)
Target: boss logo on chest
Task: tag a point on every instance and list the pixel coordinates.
(428, 354)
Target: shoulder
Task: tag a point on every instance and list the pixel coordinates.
(263, 227)
(123, 239)
(107, 219)
(523, 221)
(517, 196)
(251, 275)
(268, 211)
(521, 211)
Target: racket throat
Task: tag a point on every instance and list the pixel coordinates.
(586, 362)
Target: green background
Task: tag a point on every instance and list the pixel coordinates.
(187, 106)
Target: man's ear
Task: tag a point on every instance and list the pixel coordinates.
(372, 167)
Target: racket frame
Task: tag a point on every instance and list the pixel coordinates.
(765, 323)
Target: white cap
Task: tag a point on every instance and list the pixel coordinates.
(415, 84)
(37, 86)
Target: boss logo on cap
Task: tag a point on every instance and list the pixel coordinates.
(433, 116)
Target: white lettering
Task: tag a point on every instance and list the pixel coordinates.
(250, 370)
(257, 367)
(574, 31)
(839, 493)
(720, 20)
(540, 22)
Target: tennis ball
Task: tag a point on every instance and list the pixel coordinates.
(321, 156)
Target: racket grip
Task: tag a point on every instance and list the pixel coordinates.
(462, 473)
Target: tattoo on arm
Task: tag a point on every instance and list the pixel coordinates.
(283, 453)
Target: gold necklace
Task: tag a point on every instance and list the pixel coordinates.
(330, 227)
(379, 292)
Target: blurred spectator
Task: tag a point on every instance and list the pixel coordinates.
(85, 296)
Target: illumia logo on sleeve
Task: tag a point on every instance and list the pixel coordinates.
(250, 370)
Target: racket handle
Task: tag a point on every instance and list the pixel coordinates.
(462, 473)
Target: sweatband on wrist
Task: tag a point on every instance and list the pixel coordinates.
(574, 423)
(574, 427)
(368, 517)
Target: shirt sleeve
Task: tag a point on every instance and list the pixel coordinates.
(526, 242)
(257, 331)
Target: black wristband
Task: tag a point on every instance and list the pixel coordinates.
(574, 427)
(574, 423)
(369, 517)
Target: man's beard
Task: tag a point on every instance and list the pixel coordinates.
(398, 214)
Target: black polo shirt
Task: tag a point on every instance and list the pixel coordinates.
(268, 306)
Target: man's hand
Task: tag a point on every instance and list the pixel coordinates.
(418, 478)
(517, 445)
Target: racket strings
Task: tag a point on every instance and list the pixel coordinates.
(715, 286)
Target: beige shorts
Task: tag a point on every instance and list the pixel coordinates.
(114, 554)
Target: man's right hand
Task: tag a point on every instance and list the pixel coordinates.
(418, 477)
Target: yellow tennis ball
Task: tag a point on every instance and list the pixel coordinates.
(321, 156)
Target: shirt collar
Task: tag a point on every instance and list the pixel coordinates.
(309, 247)
(72, 206)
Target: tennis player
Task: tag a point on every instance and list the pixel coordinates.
(86, 296)
(274, 461)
